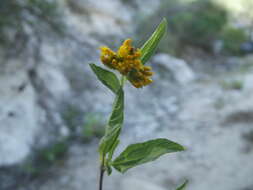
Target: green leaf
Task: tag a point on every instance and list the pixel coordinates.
(117, 115)
(109, 159)
(108, 78)
(109, 141)
(150, 45)
(182, 187)
(116, 143)
(108, 168)
(141, 153)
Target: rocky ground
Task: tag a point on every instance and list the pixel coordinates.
(208, 111)
(213, 121)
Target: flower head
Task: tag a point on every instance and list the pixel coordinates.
(127, 62)
(107, 57)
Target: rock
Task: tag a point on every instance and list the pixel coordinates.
(29, 108)
(33, 88)
(138, 184)
(217, 46)
(248, 84)
(19, 118)
(54, 81)
(247, 47)
(98, 17)
(181, 72)
(30, 112)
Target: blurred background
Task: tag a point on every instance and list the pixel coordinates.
(53, 109)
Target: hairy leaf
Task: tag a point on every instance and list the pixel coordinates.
(141, 153)
(150, 45)
(108, 78)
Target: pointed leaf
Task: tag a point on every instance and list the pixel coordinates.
(108, 78)
(108, 169)
(109, 139)
(182, 187)
(141, 153)
(114, 125)
(117, 115)
(110, 155)
(151, 44)
(109, 159)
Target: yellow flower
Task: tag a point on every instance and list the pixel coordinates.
(140, 78)
(127, 62)
(107, 57)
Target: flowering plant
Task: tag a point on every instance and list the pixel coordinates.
(130, 63)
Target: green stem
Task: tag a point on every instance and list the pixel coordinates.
(122, 80)
(102, 166)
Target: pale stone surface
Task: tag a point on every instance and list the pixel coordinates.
(19, 117)
(181, 72)
(198, 115)
(216, 147)
(137, 184)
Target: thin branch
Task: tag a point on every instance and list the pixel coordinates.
(101, 176)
